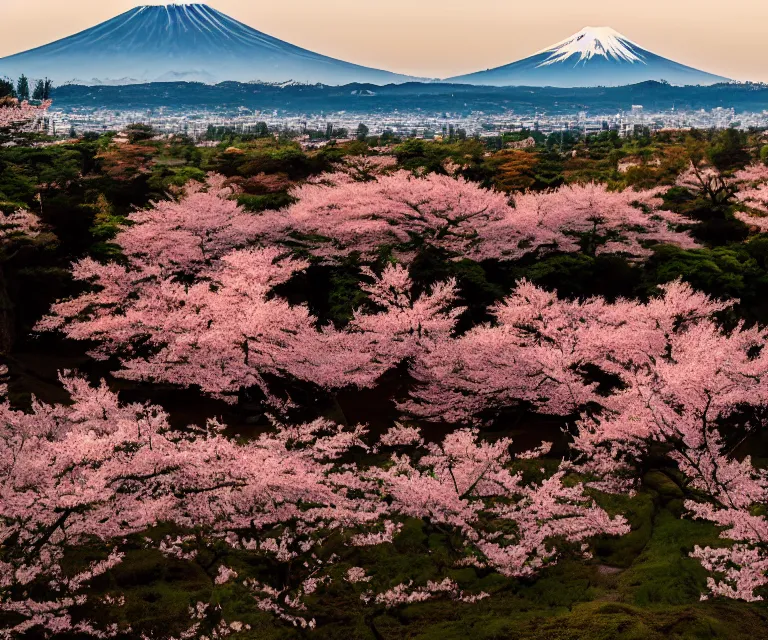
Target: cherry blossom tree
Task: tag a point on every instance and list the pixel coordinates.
(69, 474)
(700, 399)
(679, 380)
(338, 215)
(356, 169)
(97, 470)
(225, 333)
(18, 116)
(699, 391)
(190, 309)
(701, 378)
(753, 193)
(585, 216)
(753, 174)
(360, 216)
(466, 484)
(733, 495)
(540, 349)
(185, 235)
(748, 187)
(708, 182)
(20, 224)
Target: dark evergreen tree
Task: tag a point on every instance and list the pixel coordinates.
(39, 91)
(6, 88)
(22, 88)
(262, 130)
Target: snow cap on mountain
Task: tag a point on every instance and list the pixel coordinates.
(594, 41)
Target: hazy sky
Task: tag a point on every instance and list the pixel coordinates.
(439, 38)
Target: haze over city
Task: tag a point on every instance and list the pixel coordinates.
(435, 38)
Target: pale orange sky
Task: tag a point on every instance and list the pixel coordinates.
(439, 38)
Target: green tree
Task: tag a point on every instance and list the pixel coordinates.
(362, 131)
(763, 151)
(37, 93)
(728, 150)
(42, 90)
(138, 132)
(6, 88)
(262, 130)
(22, 88)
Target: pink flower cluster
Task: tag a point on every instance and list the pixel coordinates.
(194, 306)
(101, 470)
(678, 377)
(338, 215)
(21, 116)
(753, 193)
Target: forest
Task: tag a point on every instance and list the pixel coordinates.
(388, 388)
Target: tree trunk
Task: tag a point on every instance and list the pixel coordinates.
(7, 317)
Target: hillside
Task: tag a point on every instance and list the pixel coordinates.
(429, 97)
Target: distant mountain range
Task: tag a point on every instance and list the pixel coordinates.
(182, 42)
(196, 43)
(427, 98)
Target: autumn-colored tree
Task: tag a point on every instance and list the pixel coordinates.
(514, 169)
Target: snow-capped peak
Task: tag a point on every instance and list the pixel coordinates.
(591, 42)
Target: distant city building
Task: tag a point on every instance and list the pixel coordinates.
(417, 124)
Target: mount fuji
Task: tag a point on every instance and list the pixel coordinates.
(595, 56)
(182, 42)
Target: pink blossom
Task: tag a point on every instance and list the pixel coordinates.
(21, 116)
(337, 216)
(225, 575)
(357, 574)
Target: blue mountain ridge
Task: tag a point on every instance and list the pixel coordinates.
(182, 42)
(595, 56)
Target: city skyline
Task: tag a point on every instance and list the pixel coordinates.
(440, 39)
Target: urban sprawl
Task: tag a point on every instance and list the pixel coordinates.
(198, 124)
